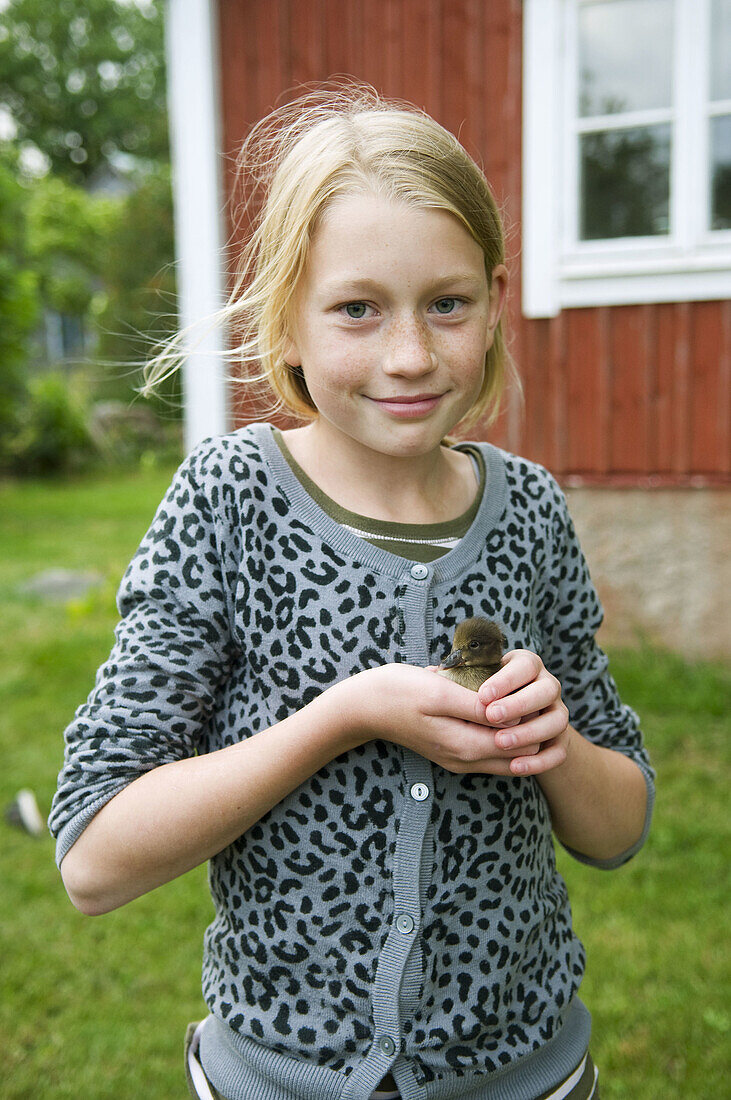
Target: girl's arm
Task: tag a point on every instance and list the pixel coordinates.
(181, 813)
(598, 799)
(594, 772)
(597, 796)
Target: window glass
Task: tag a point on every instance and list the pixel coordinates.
(721, 172)
(625, 182)
(721, 49)
(625, 55)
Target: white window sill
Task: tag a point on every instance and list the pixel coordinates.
(623, 276)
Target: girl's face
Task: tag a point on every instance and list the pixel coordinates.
(391, 323)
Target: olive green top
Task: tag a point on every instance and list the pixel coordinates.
(416, 541)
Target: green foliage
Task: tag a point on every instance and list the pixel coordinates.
(137, 268)
(103, 1013)
(19, 300)
(67, 233)
(84, 84)
(52, 434)
(85, 81)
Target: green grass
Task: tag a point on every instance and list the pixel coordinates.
(98, 1007)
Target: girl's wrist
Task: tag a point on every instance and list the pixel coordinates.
(344, 723)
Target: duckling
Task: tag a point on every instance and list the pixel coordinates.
(477, 649)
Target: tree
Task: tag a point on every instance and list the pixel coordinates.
(87, 243)
(138, 274)
(19, 300)
(67, 235)
(84, 81)
(137, 268)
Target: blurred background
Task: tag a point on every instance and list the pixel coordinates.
(87, 272)
(604, 127)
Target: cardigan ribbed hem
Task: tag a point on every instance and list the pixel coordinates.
(242, 1069)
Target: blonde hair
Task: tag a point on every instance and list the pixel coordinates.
(294, 164)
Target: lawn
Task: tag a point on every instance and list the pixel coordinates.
(98, 1007)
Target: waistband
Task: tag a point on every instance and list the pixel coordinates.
(241, 1068)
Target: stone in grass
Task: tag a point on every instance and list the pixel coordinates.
(59, 585)
(23, 813)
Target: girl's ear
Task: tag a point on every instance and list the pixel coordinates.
(291, 355)
(498, 294)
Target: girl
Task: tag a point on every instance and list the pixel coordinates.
(389, 919)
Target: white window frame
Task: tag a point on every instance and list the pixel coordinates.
(559, 271)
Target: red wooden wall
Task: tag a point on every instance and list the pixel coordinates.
(614, 395)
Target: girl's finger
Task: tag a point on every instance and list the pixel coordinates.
(520, 667)
(539, 728)
(536, 696)
(455, 701)
(552, 755)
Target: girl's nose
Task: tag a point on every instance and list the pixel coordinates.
(408, 348)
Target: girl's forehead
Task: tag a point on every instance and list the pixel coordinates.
(373, 225)
(366, 205)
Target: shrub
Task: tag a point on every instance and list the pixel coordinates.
(52, 436)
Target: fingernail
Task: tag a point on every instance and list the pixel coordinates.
(497, 713)
(507, 740)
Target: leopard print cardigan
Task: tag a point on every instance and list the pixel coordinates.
(387, 915)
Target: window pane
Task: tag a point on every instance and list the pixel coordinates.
(625, 56)
(721, 49)
(721, 172)
(625, 183)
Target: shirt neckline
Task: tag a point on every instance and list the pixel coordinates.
(446, 568)
(418, 531)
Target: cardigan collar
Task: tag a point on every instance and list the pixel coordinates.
(445, 569)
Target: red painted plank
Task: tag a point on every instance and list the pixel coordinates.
(267, 30)
(456, 32)
(628, 405)
(304, 38)
(527, 343)
(668, 447)
(541, 369)
(557, 394)
(420, 55)
(585, 391)
(707, 446)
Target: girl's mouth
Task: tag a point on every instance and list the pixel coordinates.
(408, 407)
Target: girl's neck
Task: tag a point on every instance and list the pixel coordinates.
(427, 488)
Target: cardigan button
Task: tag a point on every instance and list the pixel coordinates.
(405, 923)
(419, 792)
(419, 571)
(387, 1045)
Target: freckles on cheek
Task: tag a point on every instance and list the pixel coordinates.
(467, 357)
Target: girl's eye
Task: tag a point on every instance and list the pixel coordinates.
(356, 310)
(445, 305)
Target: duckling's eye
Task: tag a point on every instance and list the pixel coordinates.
(474, 645)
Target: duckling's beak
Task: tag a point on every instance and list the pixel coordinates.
(455, 658)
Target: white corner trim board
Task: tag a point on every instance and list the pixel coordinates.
(193, 102)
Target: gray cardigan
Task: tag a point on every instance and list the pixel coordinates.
(387, 915)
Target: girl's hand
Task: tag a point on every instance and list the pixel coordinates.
(430, 714)
(525, 697)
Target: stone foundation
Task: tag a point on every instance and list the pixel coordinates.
(661, 562)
